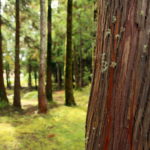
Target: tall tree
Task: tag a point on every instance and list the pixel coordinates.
(7, 71)
(42, 70)
(119, 107)
(49, 58)
(3, 96)
(68, 68)
(17, 101)
(29, 74)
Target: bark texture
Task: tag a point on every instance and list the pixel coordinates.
(42, 70)
(49, 53)
(68, 68)
(17, 101)
(119, 107)
(3, 96)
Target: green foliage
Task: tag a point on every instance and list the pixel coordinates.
(83, 30)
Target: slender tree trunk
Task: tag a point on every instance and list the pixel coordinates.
(49, 58)
(35, 79)
(3, 96)
(30, 75)
(68, 69)
(42, 70)
(8, 76)
(76, 69)
(59, 76)
(119, 107)
(81, 58)
(81, 70)
(55, 75)
(17, 101)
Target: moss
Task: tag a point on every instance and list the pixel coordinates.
(114, 19)
(62, 128)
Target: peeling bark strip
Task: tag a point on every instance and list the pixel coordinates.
(119, 108)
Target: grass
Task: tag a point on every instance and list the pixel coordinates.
(63, 128)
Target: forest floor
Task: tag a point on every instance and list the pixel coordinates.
(63, 128)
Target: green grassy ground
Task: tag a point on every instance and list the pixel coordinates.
(63, 128)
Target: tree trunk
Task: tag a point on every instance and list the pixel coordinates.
(59, 74)
(3, 96)
(119, 107)
(81, 57)
(30, 75)
(8, 76)
(55, 75)
(81, 70)
(17, 101)
(76, 69)
(69, 98)
(41, 89)
(49, 58)
(35, 78)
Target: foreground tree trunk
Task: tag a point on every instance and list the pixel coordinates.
(119, 107)
(68, 68)
(3, 96)
(41, 89)
(17, 101)
(49, 58)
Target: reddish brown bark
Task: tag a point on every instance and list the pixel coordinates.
(42, 70)
(3, 96)
(17, 101)
(119, 107)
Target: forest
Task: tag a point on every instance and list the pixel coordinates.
(74, 75)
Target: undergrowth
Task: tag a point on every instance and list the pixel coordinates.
(63, 128)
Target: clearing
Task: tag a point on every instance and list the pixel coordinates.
(63, 128)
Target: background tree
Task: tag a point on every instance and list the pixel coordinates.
(119, 107)
(42, 70)
(17, 101)
(3, 96)
(49, 53)
(83, 42)
(69, 98)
